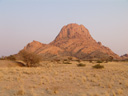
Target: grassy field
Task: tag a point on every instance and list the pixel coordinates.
(58, 79)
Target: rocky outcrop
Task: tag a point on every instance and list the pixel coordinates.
(73, 40)
(124, 57)
(33, 46)
(73, 31)
(77, 40)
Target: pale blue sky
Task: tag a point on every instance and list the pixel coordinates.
(22, 21)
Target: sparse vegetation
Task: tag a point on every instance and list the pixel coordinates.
(106, 61)
(99, 61)
(52, 80)
(20, 92)
(81, 65)
(2, 58)
(78, 61)
(69, 58)
(31, 59)
(98, 66)
(57, 60)
(11, 57)
(90, 61)
(65, 59)
(67, 62)
(110, 58)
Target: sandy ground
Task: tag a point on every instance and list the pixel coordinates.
(57, 79)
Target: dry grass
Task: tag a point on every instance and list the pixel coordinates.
(65, 80)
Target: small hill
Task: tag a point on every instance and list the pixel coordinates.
(34, 46)
(124, 57)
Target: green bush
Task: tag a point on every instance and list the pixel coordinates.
(98, 66)
(81, 65)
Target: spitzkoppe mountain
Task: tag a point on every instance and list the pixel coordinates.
(73, 40)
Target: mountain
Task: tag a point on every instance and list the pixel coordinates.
(73, 40)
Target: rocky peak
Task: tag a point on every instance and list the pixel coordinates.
(33, 46)
(73, 30)
(34, 43)
(125, 56)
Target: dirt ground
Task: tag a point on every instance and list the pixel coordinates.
(58, 79)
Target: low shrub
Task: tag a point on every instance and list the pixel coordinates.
(66, 62)
(11, 57)
(90, 61)
(2, 58)
(78, 61)
(106, 61)
(81, 65)
(98, 66)
(69, 58)
(31, 59)
(65, 59)
(56, 60)
(99, 61)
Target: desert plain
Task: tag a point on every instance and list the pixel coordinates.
(59, 79)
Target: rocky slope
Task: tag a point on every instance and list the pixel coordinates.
(124, 57)
(34, 46)
(73, 40)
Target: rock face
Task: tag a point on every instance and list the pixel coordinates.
(74, 31)
(73, 40)
(34, 46)
(125, 56)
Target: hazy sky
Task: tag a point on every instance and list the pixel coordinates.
(22, 21)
